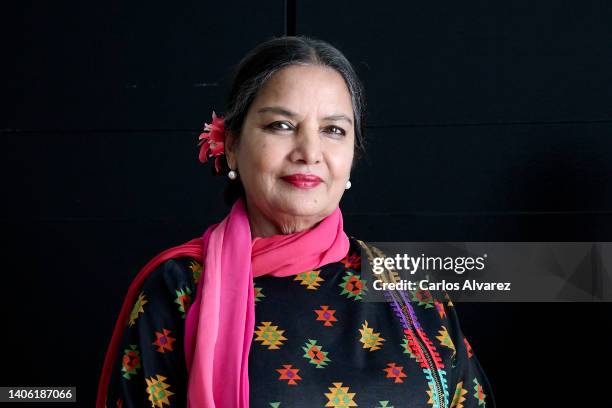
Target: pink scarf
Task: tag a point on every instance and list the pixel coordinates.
(219, 328)
(220, 323)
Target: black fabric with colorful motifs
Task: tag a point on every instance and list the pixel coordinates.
(316, 344)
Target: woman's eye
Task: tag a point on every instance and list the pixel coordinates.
(276, 126)
(338, 131)
(335, 130)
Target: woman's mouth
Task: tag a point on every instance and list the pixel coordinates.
(303, 180)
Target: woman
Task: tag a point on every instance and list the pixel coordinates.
(266, 308)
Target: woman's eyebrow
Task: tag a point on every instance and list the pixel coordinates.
(339, 117)
(285, 112)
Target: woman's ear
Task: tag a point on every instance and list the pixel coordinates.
(231, 144)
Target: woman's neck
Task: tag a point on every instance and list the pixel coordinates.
(262, 226)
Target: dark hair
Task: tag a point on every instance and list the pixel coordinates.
(265, 60)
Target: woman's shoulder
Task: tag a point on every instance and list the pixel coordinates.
(168, 290)
(149, 346)
(360, 246)
(352, 260)
(363, 253)
(358, 249)
(174, 274)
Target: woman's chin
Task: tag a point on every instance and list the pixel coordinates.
(303, 209)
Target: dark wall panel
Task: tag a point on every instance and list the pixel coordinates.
(457, 62)
(125, 65)
(99, 175)
(431, 170)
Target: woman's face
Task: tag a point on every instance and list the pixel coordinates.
(301, 122)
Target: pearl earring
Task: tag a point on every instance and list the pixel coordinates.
(232, 174)
(348, 184)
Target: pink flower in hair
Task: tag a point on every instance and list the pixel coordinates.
(211, 141)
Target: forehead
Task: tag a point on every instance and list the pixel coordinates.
(303, 88)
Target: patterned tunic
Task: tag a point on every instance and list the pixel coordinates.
(316, 344)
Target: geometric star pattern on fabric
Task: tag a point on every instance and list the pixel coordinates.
(459, 396)
(158, 391)
(352, 261)
(258, 294)
(479, 393)
(288, 373)
(326, 315)
(353, 286)
(137, 310)
(468, 347)
(423, 298)
(183, 299)
(310, 279)
(339, 397)
(196, 270)
(130, 361)
(440, 308)
(372, 341)
(315, 354)
(449, 302)
(164, 341)
(445, 340)
(395, 372)
(270, 335)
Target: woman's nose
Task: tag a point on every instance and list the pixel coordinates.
(308, 148)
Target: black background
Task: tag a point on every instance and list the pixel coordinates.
(487, 121)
